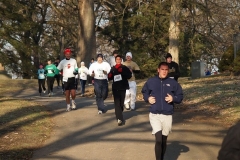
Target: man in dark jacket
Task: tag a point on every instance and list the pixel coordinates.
(231, 144)
(173, 67)
(120, 75)
(161, 92)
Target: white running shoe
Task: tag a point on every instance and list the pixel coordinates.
(49, 94)
(120, 123)
(68, 108)
(44, 91)
(127, 106)
(99, 112)
(73, 105)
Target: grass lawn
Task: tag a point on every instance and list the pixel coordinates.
(24, 125)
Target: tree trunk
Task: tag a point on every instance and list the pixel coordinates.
(61, 55)
(86, 48)
(174, 30)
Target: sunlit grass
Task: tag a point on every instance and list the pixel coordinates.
(24, 126)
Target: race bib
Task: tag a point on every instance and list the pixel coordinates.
(50, 71)
(65, 79)
(100, 73)
(41, 75)
(171, 77)
(117, 78)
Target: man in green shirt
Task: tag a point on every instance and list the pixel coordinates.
(50, 71)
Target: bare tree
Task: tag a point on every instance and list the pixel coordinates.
(174, 30)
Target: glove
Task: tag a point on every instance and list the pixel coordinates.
(75, 73)
(110, 75)
(105, 72)
(93, 74)
(119, 70)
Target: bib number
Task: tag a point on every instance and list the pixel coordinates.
(117, 78)
(41, 75)
(65, 79)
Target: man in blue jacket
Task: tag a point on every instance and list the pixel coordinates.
(161, 92)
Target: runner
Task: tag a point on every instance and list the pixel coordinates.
(112, 61)
(131, 93)
(70, 69)
(99, 71)
(173, 67)
(50, 70)
(41, 80)
(161, 92)
(120, 75)
(57, 75)
(83, 73)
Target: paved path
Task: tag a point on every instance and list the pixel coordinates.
(84, 135)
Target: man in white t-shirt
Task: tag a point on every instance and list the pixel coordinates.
(70, 69)
(99, 71)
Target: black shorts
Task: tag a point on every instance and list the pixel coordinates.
(70, 84)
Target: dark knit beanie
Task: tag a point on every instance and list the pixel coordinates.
(168, 55)
(99, 55)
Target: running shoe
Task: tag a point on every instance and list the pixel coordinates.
(127, 106)
(73, 105)
(68, 108)
(100, 112)
(120, 123)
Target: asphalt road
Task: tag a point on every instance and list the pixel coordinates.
(82, 134)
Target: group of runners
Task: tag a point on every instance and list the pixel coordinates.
(160, 91)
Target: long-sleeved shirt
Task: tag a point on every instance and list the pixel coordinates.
(50, 70)
(40, 73)
(159, 88)
(120, 79)
(98, 69)
(83, 72)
